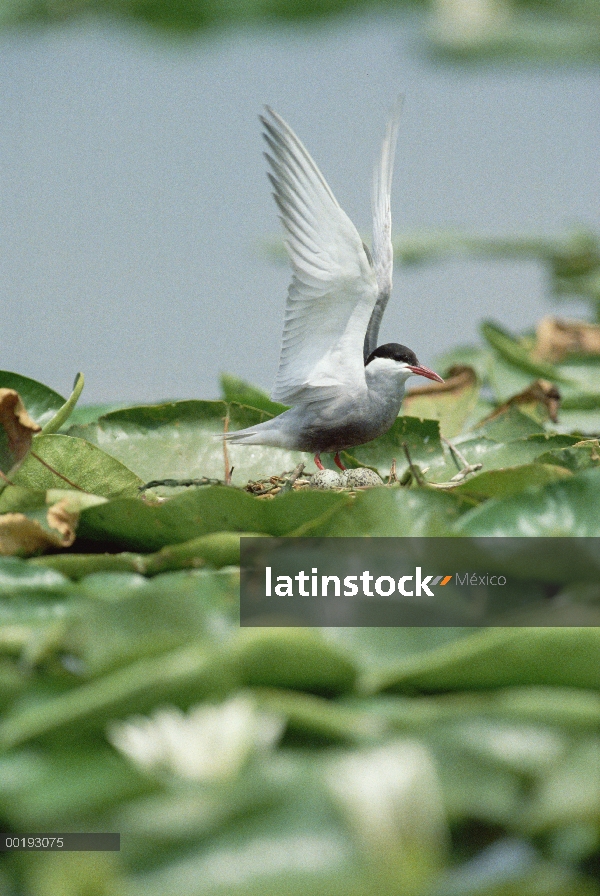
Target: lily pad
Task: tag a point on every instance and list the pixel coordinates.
(499, 455)
(241, 392)
(515, 353)
(511, 424)
(512, 480)
(500, 657)
(422, 438)
(579, 456)
(179, 440)
(451, 403)
(474, 356)
(63, 462)
(505, 379)
(587, 423)
(123, 617)
(215, 550)
(568, 507)
(42, 403)
(133, 525)
(89, 413)
(392, 512)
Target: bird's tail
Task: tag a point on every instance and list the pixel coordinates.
(261, 434)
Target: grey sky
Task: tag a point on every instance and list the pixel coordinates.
(134, 197)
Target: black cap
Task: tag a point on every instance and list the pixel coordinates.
(396, 352)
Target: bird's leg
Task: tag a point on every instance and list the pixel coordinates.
(338, 462)
(318, 463)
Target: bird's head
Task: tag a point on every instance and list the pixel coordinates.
(398, 361)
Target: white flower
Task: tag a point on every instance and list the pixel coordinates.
(391, 799)
(210, 743)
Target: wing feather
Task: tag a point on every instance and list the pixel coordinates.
(333, 290)
(383, 252)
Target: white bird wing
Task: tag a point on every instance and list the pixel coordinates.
(333, 290)
(383, 252)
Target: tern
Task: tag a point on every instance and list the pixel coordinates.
(343, 390)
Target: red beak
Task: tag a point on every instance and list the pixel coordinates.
(425, 371)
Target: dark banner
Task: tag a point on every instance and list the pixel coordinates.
(420, 582)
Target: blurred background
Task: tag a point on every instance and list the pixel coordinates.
(137, 224)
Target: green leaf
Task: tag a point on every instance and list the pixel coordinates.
(511, 424)
(296, 847)
(474, 356)
(216, 550)
(581, 401)
(90, 413)
(312, 718)
(213, 658)
(516, 354)
(512, 480)
(568, 507)
(122, 617)
(14, 499)
(579, 456)
(181, 676)
(576, 709)
(376, 649)
(65, 411)
(452, 405)
(236, 390)
(133, 525)
(18, 579)
(391, 512)
(505, 379)
(498, 455)
(42, 403)
(422, 438)
(500, 657)
(35, 607)
(587, 423)
(298, 658)
(179, 440)
(583, 373)
(64, 462)
(62, 787)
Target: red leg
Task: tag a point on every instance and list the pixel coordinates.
(338, 462)
(318, 462)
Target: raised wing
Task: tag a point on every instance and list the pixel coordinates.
(334, 288)
(383, 253)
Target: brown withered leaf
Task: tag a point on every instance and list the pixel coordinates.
(457, 379)
(22, 536)
(556, 338)
(450, 402)
(17, 430)
(541, 396)
(64, 521)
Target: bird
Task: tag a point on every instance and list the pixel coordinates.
(342, 389)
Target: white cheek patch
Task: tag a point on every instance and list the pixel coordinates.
(387, 365)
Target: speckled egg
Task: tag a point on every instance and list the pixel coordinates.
(361, 478)
(326, 479)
